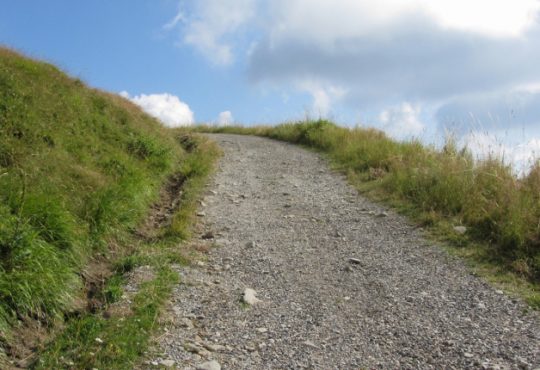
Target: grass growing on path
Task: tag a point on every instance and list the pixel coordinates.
(439, 189)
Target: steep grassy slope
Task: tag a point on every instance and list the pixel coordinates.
(78, 170)
(438, 188)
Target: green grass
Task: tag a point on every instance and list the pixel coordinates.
(125, 337)
(79, 169)
(438, 189)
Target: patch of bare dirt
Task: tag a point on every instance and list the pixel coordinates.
(162, 211)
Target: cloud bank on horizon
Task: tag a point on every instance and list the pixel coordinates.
(473, 64)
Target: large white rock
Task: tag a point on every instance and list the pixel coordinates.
(250, 297)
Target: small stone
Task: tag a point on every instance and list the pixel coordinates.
(186, 323)
(481, 306)
(99, 340)
(262, 330)
(310, 344)
(193, 348)
(499, 292)
(460, 229)
(154, 363)
(250, 244)
(201, 214)
(382, 214)
(208, 235)
(214, 347)
(522, 363)
(250, 297)
(468, 355)
(210, 365)
(167, 363)
(355, 261)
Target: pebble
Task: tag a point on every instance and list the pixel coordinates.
(208, 235)
(214, 347)
(460, 229)
(193, 348)
(167, 363)
(250, 297)
(210, 365)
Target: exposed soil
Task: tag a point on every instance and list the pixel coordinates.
(343, 282)
(161, 212)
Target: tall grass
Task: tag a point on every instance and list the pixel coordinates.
(78, 169)
(438, 187)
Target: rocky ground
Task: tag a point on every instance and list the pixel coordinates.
(337, 281)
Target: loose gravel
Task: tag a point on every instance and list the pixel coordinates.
(339, 282)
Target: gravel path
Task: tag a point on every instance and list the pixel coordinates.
(342, 282)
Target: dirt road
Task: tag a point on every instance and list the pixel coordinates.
(342, 282)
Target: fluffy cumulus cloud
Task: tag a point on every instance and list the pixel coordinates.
(469, 58)
(413, 57)
(402, 121)
(169, 109)
(225, 118)
(379, 51)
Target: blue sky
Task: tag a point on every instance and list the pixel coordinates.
(415, 68)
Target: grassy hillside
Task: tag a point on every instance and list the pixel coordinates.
(438, 188)
(79, 169)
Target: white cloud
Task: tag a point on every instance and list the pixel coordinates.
(323, 96)
(225, 118)
(169, 109)
(329, 20)
(124, 94)
(485, 145)
(211, 26)
(180, 17)
(402, 122)
(371, 54)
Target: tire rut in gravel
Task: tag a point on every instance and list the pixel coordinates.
(343, 282)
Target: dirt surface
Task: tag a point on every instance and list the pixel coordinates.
(342, 282)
